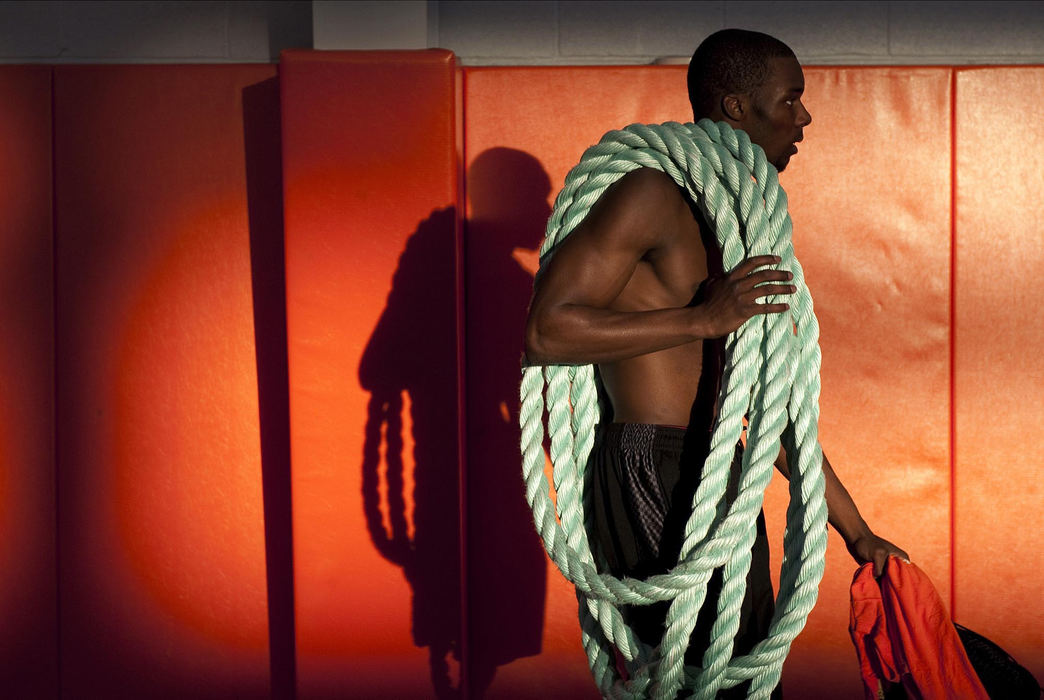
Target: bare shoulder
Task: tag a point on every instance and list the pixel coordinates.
(635, 220)
(648, 182)
(648, 193)
(640, 210)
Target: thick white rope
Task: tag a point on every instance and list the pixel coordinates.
(771, 377)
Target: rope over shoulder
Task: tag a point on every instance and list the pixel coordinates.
(771, 376)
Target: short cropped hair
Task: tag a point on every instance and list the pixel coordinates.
(731, 61)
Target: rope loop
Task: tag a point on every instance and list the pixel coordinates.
(771, 376)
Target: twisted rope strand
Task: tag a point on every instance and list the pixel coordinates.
(771, 376)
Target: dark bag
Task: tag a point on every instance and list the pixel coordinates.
(1001, 675)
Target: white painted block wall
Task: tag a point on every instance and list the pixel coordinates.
(518, 32)
(164, 31)
(822, 33)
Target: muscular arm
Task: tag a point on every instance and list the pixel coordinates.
(572, 317)
(862, 543)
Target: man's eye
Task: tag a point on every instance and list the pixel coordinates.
(790, 103)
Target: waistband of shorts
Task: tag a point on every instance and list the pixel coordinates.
(664, 437)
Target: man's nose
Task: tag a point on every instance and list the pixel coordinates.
(804, 117)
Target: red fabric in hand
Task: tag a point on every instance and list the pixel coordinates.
(903, 634)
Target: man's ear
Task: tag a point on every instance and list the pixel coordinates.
(734, 107)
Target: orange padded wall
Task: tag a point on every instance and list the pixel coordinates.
(28, 610)
(144, 386)
(870, 199)
(370, 176)
(162, 549)
(999, 367)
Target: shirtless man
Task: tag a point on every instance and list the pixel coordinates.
(638, 290)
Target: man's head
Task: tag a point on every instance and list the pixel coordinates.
(754, 82)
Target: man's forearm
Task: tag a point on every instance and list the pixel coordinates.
(862, 543)
(841, 509)
(575, 334)
(560, 329)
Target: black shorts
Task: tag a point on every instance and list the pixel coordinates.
(642, 480)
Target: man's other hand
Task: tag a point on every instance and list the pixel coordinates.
(871, 548)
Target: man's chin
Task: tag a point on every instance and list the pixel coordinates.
(784, 160)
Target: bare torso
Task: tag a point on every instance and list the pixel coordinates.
(676, 386)
(627, 291)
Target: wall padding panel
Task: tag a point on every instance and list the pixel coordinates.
(28, 609)
(162, 550)
(527, 127)
(999, 368)
(869, 195)
(870, 198)
(371, 186)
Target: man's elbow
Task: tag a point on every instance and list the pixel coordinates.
(536, 346)
(552, 336)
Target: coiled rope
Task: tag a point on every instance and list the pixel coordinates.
(771, 376)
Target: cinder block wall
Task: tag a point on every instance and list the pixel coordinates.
(519, 32)
(821, 33)
(151, 32)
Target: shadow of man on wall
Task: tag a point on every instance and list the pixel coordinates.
(410, 470)
(506, 565)
(410, 476)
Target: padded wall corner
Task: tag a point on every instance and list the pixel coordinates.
(28, 610)
(161, 525)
